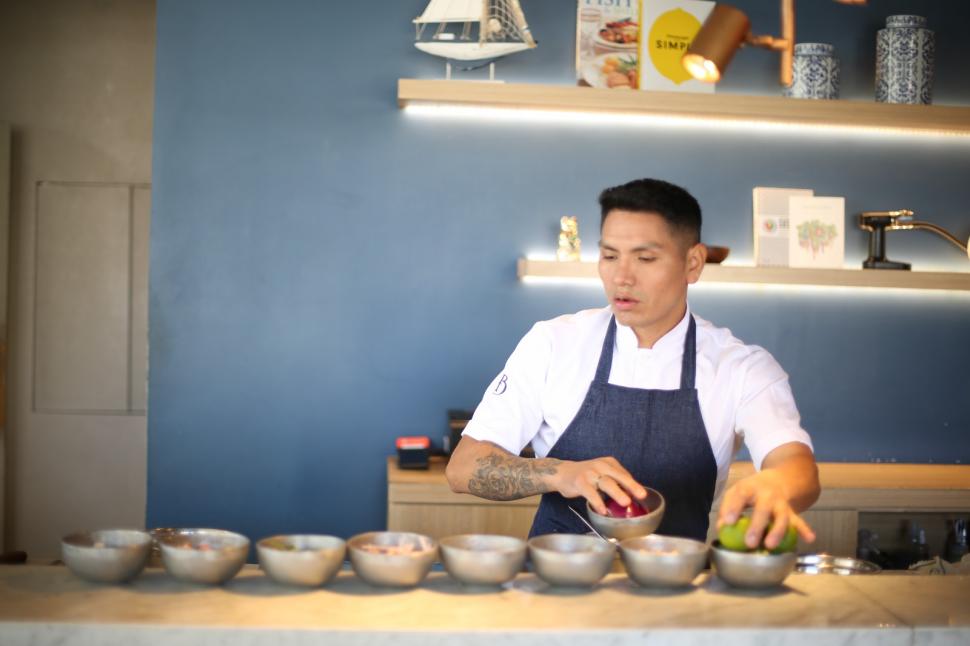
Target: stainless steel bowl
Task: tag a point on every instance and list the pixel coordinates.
(663, 561)
(106, 555)
(211, 556)
(483, 559)
(623, 528)
(301, 559)
(751, 569)
(828, 564)
(571, 559)
(396, 559)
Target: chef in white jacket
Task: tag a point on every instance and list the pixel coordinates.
(642, 392)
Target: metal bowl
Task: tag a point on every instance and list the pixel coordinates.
(751, 569)
(828, 564)
(396, 559)
(483, 559)
(571, 559)
(211, 556)
(623, 528)
(301, 559)
(106, 555)
(663, 561)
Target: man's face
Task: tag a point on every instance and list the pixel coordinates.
(645, 268)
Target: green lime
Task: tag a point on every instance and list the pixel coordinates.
(732, 536)
(788, 542)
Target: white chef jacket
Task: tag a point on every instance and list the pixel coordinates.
(743, 392)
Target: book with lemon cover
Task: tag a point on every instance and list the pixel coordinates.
(608, 44)
(667, 28)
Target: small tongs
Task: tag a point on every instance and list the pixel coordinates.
(611, 541)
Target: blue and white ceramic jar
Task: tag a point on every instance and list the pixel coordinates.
(815, 72)
(904, 61)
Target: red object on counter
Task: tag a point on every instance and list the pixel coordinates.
(413, 452)
(414, 442)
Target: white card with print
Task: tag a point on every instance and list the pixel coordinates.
(771, 223)
(816, 232)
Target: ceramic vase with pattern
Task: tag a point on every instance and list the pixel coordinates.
(815, 72)
(904, 61)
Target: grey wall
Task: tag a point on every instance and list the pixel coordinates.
(76, 79)
(329, 272)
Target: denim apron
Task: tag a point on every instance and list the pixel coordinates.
(657, 435)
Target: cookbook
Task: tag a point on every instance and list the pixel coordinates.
(669, 26)
(608, 43)
(816, 236)
(637, 44)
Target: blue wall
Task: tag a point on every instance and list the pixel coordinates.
(329, 272)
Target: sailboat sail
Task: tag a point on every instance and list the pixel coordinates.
(451, 11)
(502, 29)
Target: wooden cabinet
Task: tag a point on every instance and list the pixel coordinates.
(421, 501)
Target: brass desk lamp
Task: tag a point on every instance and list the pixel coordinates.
(727, 28)
(878, 222)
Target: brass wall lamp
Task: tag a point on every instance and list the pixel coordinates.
(728, 28)
(878, 222)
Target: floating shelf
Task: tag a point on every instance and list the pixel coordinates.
(879, 278)
(712, 107)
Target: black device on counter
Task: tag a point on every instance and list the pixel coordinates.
(413, 452)
(457, 420)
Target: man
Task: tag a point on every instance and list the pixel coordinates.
(642, 392)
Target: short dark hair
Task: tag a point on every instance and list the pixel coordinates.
(675, 205)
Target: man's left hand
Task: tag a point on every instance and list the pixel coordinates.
(788, 481)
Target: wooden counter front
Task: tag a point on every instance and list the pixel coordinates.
(421, 501)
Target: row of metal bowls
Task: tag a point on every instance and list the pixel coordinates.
(118, 555)
(403, 559)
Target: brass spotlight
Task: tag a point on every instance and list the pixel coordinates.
(726, 29)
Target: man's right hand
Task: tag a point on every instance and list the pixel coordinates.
(590, 477)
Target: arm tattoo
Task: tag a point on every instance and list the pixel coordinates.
(509, 477)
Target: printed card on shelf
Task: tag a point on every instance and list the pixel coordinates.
(607, 44)
(816, 232)
(668, 27)
(771, 223)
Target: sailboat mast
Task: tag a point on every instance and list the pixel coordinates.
(483, 25)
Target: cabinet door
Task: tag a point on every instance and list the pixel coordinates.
(439, 521)
(4, 249)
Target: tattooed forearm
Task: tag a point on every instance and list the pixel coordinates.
(508, 477)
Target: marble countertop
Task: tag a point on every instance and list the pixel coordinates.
(42, 605)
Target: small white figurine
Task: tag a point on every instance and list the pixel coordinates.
(568, 239)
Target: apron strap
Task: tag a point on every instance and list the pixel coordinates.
(606, 354)
(689, 364)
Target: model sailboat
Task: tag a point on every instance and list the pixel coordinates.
(500, 25)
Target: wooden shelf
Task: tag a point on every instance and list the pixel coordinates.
(732, 107)
(880, 278)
